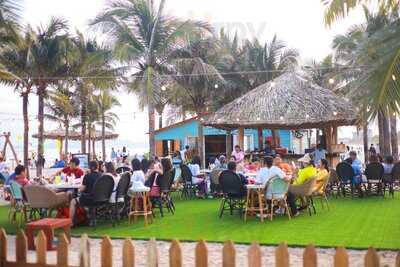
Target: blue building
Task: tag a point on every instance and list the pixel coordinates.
(176, 136)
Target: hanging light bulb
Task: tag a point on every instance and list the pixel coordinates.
(237, 119)
(163, 88)
(258, 118)
(394, 113)
(334, 113)
(393, 77)
(367, 109)
(272, 84)
(307, 116)
(331, 81)
(216, 86)
(281, 118)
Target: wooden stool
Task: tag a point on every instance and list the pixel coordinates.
(255, 201)
(140, 209)
(47, 225)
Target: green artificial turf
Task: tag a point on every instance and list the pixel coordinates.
(353, 223)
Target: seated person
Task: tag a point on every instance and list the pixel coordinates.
(357, 179)
(232, 168)
(307, 172)
(322, 175)
(221, 163)
(285, 167)
(194, 167)
(72, 169)
(85, 189)
(269, 171)
(20, 176)
(388, 164)
(137, 177)
(58, 164)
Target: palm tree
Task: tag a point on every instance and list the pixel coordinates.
(62, 108)
(144, 36)
(199, 78)
(336, 9)
(49, 65)
(90, 67)
(104, 103)
(16, 59)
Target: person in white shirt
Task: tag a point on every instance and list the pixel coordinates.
(194, 167)
(137, 178)
(266, 173)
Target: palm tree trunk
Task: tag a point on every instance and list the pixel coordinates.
(103, 136)
(83, 127)
(152, 140)
(393, 137)
(160, 120)
(200, 144)
(386, 135)
(89, 140)
(380, 130)
(25, 97)
(365, 140)
(66, 138)
(40, 149)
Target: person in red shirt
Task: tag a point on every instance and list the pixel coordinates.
(72, 168)
(20, 176)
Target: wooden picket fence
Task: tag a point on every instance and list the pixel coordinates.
(341, 258)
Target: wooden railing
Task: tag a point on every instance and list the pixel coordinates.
(254, 256)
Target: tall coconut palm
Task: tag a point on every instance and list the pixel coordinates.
(49, 63)
(199, 78)
(104, 103)
(90, 67)
(144, 36)
(62, 108)
(16, 59)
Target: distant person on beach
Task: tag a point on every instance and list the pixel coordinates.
(113, 155)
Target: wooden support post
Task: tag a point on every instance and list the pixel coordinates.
(228, 144)
(241, 137)
(260, 139)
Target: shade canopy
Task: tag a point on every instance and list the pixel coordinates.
(74, 135)
(291, 101)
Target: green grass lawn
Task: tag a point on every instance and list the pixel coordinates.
(354, 223)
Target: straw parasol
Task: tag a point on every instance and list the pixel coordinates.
(59, 133)
(291, 101)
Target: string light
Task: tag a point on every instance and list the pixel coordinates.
(281, 118)
(258, 118)
(331, 81)
(163, 88)
(393, 77)
(307, 116)
(334, 113)
(216, 86)
(237, 119)
(272, 84)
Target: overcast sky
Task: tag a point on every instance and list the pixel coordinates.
(298, 22)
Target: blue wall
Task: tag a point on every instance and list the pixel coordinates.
(180, 132)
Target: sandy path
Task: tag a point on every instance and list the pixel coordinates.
(325, 256)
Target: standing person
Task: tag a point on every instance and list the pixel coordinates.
(113, 155)
(319, 154)
(238, 154)
(372, 150)
(3, 169)
(187, 154)
(177, 159)
(86, 189)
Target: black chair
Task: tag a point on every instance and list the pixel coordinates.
(165, 182)
(100, 199)
(121, 200)
(390, 180)
(374, 173)
(123, 169)
(234, 192)
(189, 189)
(345, 174)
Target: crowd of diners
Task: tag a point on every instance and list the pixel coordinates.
(313, 165)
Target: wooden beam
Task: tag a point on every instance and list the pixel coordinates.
(260, 139)
(228, 144)
(241, 137)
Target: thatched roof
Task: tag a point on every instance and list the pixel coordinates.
(74, 135)
(291, 101)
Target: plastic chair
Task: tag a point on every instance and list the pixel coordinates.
(17, 213)
(277, 189)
